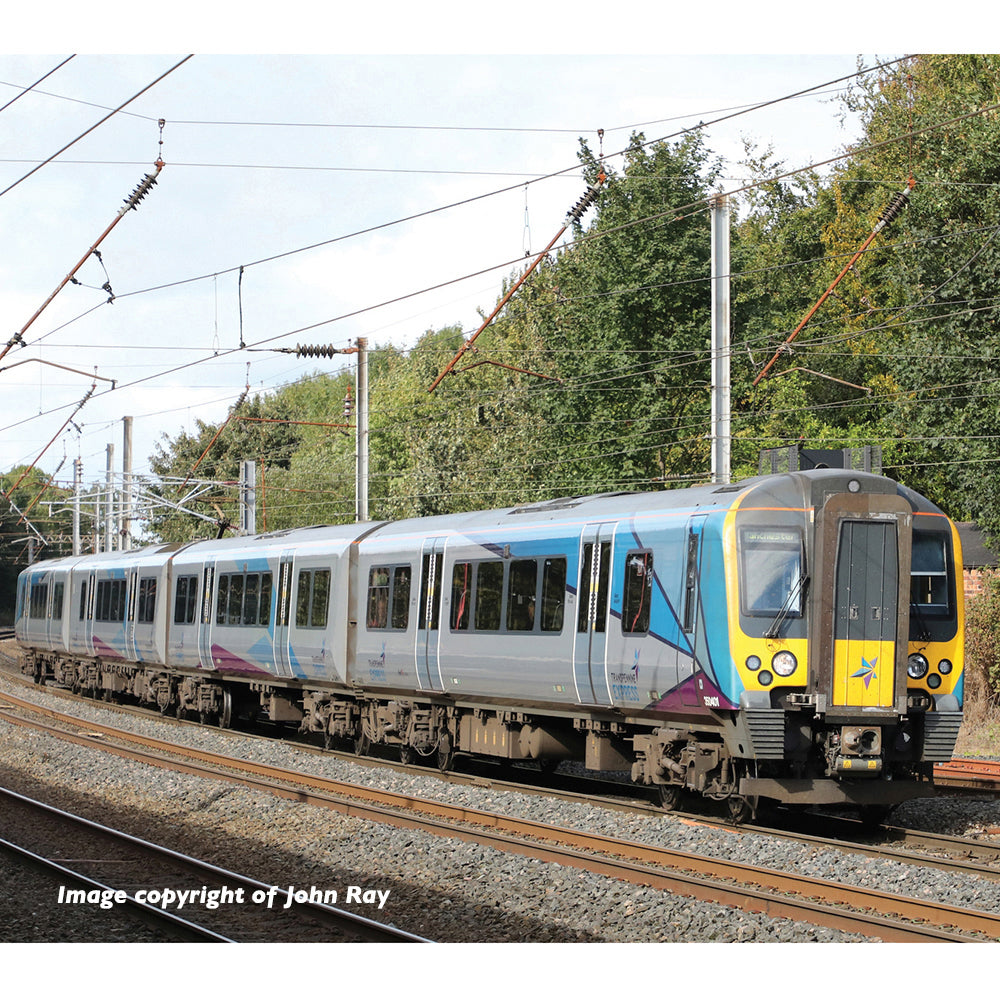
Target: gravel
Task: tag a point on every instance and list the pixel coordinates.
(440, 888)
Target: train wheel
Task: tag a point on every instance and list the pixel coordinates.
(670, 796)
(445, 753)
(226, 712)
(874, 816)
(741, 810)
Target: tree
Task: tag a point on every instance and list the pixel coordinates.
(34, 524)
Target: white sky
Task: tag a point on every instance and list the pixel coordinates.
(234, 194)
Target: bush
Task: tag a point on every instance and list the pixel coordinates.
(982, 648)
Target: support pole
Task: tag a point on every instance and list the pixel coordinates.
(248, 497)
(126, 528)
(77, 484)
(721, 434)
(898, 204)
(109, 502)
(361, 448)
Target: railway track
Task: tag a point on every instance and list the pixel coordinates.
(156, 883)
(831, 904)
(969, 774)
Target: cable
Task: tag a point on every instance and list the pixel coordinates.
(149, 86)
(26, 90)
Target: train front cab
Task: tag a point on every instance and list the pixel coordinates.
(861, 730)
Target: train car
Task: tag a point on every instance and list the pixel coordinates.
(795, 638)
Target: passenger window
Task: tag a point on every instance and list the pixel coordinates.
(521, 588)
(186, 600)
(320, 606)
(110, 601)
(553, 594)
(147, 600)
(378, 597)
(57, 601)
(39, 600)
(638, 592)
(461, 596)
(388, 598)
(312, 598)
(251, 599)
(489, 594)
(401, 597)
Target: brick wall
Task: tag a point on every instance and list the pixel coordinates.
(973, 581)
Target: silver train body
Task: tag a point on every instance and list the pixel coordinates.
(703, 639)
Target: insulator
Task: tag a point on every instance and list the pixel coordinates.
(583, 204)
(315, 350)
(141, 191)
(898, 204)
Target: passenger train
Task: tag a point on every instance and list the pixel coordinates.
(795, 638)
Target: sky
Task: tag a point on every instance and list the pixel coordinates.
(267, 155)
(338, 181)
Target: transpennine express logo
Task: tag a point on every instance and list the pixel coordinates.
(867, 671)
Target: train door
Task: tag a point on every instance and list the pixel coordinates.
(590, 648)
(91, 604)
(859, 601)
(205, 617)
(865, 614)
(687, 660)
(429, 615)
(131, 601)
(282, 617)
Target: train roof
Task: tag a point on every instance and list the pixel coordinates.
(801, 490)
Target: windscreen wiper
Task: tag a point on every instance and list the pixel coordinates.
(779, 618)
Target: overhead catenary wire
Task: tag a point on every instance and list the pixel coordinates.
(97, 125)
(897, 205)
(28, 89)
(131, 202)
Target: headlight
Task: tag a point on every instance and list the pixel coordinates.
(784, 663)
(944, 667)
(753, 663)
(916, 666)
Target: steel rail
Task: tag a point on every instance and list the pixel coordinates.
(969, 774)
(153, 916)
(961, 850)
(357, 924)
(682, 872)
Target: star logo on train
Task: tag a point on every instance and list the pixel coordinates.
(867, 671)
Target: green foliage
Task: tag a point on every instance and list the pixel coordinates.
(596, 375)
(33, 522)
(982, 647)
